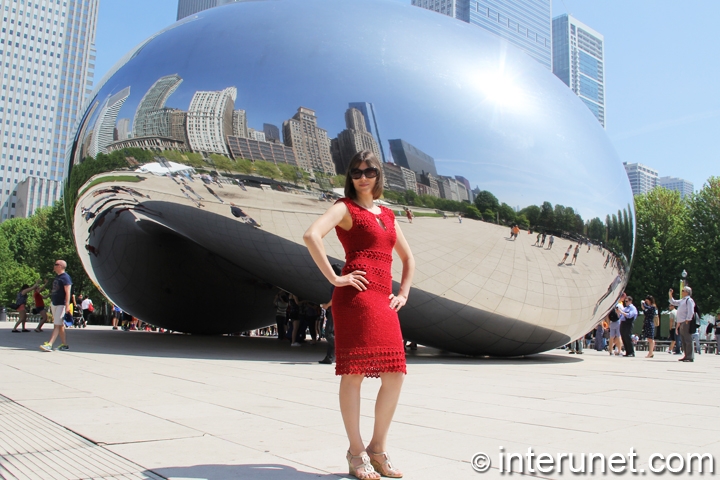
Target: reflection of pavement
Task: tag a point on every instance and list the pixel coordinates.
(469, 273)
(250, 408)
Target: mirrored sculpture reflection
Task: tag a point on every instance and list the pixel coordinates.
(204, 156)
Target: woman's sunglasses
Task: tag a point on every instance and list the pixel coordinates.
(356, 173)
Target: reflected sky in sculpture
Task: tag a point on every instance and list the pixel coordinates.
(482, 109)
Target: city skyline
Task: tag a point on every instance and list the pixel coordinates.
(674, 136)
(48, 57)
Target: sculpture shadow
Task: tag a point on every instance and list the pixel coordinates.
(249, 472)
(258, 349)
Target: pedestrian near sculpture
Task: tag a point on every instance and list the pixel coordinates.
(627, 315)
(330, 325)
(40, 308)
(60, 298)
(650, 313)
(567, 254)
(21, 306)
(685, 314)
(368, 340)
(717, 334)
(672, 314)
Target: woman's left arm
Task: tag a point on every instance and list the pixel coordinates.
(403, 250)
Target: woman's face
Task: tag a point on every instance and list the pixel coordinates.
(364, 185)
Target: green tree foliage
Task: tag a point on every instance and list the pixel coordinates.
(267, 169)
(661, 256)
(221, 162)
(473, 212)
(547, 217)
(596, 230)
(507, 214)
(532, 214)
(703, 243)
(486, 201)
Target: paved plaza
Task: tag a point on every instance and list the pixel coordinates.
(149, 405)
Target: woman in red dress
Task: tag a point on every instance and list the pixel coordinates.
(368, 340)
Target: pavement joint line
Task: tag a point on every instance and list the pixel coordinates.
(32, 457)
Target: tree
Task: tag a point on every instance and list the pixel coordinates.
(473, 212)
(411, 198)
(547, 219)
(661, 223)
(532, 213)
(703, 238)
(267, 169)
(486, 201)
(506, 212)
(221, 162)
(596, 230)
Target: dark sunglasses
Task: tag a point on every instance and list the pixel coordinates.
(356, 173)
(57, 265)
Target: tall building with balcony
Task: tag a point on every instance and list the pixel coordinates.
(210, 120)
(148, 122)
(678, 184)
(642, 178)
(579, 61)
(523, 23)
(371, 124)
(409, 156)
(47, 75)
(355, 138)
(103, 133)
(309, 142)
(191, 7)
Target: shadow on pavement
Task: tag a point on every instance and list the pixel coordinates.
(102, 340)
(249, 472)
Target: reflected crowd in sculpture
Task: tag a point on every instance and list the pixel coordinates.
(210, 148)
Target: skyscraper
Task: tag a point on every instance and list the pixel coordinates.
(103, 133)
(49, 55)
(190, 7)
(309, 142)
(411, 157)
(210, 120)
(272, 132)
(642, 178)
(240, 128)
(579, 61)
(355, 138)
(524, 23)
(147, 122)
(371, 123)
(674, 183)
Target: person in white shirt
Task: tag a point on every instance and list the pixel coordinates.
(685, 313)
(86, 310)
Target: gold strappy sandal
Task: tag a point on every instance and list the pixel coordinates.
(385, 468)
(365, 470)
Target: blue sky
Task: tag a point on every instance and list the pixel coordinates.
(661, 68)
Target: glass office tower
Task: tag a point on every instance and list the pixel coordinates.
(579, 61)
(47, 61)
(524, 23)
(190, 7)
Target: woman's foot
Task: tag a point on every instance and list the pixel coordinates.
(649, 355)
(381, 463)
(360, 467)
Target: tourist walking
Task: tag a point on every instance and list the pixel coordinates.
(281, 306)
(368, 339)
(542, 241)
(685, 314)
(717, 334)
(293, 316)
(575, 254)
(21, 307)
(672, 314)
(116, 316)
(551, 240)
(600, 336)
(567, 254)
(60, 298)
(329, 324)
(614, 323)
(627, 315)
(40, 306)
(650, 312)
(87, 308)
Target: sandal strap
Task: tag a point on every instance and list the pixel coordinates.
(365, 467)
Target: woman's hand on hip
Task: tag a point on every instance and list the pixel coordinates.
(397, 302)
(354, 279)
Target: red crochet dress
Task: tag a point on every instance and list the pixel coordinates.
(368, 340)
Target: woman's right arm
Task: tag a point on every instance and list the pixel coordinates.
(337, 215)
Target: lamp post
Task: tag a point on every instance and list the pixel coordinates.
(683, 280)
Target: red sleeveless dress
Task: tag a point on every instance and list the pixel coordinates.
(368, 340)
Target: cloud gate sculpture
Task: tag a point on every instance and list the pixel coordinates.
(208, 150)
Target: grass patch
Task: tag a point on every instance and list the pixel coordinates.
(112, 178)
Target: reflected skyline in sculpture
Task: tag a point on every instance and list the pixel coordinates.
(485, 115)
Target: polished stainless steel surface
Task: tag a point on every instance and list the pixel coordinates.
(183, 258)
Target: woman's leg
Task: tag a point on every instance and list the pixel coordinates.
(350, 410)
(385, 405)
(295, 328)
(22, 316)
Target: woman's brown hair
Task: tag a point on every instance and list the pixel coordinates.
(370, 158)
